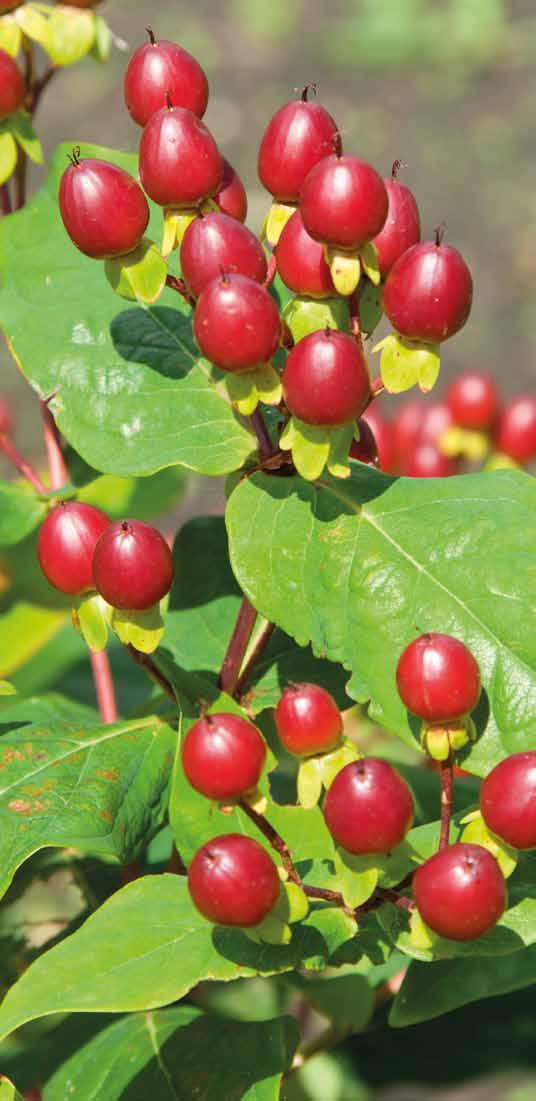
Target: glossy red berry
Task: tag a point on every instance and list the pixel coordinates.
(418, 421)
(460, 892)
(438, 678)
(508, 800)
(428, 292)
(326, 379)
(132, 565)
(233, 881)
(6, 416)
(11, 84)
(231, 195)
(65, 545)
(308, 720)
(103, 209)
(427, 461)
(236, 323)
(180, 163)
(369, 807)
(298, 136)
(382, 430)
(402, 227)
(223, 756)
(160, 69)
(301, 262)
(473, 400)
(365, 449)
(343, 202)
(214, 243)
(516, 429)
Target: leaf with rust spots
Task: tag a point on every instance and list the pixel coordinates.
(110, 774)
(20, 806)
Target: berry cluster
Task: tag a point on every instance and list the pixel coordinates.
(336, 231)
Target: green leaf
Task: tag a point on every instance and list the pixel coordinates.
(143, 498)
(7, 689)
(144, 948)
(132, 393)
(306, 315)
(23, 131)
(160, 1055)
(203, 607)
(346, 1000)
(67, 780)
(103, 39)
(8, 155)
(8, 1091)
(20, 512)
(359, 569)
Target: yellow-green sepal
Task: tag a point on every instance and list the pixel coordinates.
(91, 616)
(292, 905)
(140, 275)
(143, 630)
(10, 35)
(176, 223)
(330, 764)
(33, 20)
(247, 388)
(20, 125)
(369, 262)
(70, 35)
(476, 833)
(461, 443)
(420, 937)
(406, 363)
(7, 689)
(357, 877)
(315, 447)
(102, 42)
(307, 315)
(275, 221)
(499, 461)
(270, 931)
(370, 306)
(345, 269)
(8, 154)
(309, 783)
(440, 740)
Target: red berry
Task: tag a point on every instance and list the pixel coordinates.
(382, 430)
(233, 881)
(326, 379)
(308, 720)
(460, 892)
(508, 800)
(402, 227)
(65, 545)
(301, 262)
(428, 293)
(223, 756)
(298, 136)
(365, 449)
(132, 565)
(418, 421)
(180, 163)
(231, 195)
(474, 401)
(103, 209)
(214, 243)
(160, 69)
(369, 807)
(438, 678)
(516, 430)
(11, 83)
(236, 323)
(6, 417)
(427, 461)
(343, 202)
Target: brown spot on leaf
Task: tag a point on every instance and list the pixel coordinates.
(110, 774)
(106, 816)
(20, 806)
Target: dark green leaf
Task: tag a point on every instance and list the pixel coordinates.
(347, 1000)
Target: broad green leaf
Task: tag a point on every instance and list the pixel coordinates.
(204, 603)
(67, 780)
(8, 1091)
(144, 948)
(347, 1000)
(143, 498)
(132, 394)
(6, 688)
(429, 990)
(24, 630)
(160, 1055)
(358, 570)
(20, 512)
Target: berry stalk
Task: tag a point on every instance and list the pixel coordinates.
(447, 790)
(266, 447)
(232, 662)
(104, 686)
(56, 463)
(21, 464)
(277, 843)
(5, 199)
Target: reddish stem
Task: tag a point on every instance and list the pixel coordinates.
(5, 199)
(176, 864)
(180, 286)
(272, 271)
(238, 643)
(446, 777)
(355, 318)
(56, 463)
(258, 649)
(22, 465)
(104, 686)
(276, 841)
(266, 447)
(148, 664)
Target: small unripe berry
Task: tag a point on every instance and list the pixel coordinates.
(103, 209)
(160, 69)
(65, 545)
(11, 84)
(460, 892)
(180, 163)
(223, 756)
(326, 379)
(428, 292)
(233, 881)
(438, 678)
(216, 243)
(369, 807)
(402, 227)
(474, 401)
(308, 720)
(516, 429)
(343, 202)
(301, 262)
(132, 565)
(298, 136)
(236, 323)
(508, 800)
(231, 195)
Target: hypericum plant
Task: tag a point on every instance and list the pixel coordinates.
(224, 813)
